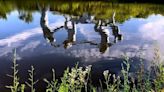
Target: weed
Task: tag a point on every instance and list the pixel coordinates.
(52, 85)
(15, 87)
(76, 79)
(31, 79)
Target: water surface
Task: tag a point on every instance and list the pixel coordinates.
(60, 34)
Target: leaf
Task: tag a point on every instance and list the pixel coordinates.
(9, 87)
(36, 82)
(45, 80)
(63, 88)
(9, 75)
(93, 89)
(28, 84)
(49, 90)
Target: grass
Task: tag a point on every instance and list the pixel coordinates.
(77, 79)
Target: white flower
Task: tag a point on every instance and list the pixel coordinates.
(106, 72)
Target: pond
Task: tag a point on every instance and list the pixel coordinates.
(59, 34)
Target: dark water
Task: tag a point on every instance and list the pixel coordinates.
(60, 34)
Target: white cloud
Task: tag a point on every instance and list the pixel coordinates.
(15, 41)
(153, 30)
(87, 31)
(31, 46)
(20, 37)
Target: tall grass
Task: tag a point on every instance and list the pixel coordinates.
(77, 79)
(16, 86)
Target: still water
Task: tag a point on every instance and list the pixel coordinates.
(48, 35)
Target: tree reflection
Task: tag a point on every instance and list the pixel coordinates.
(25, 16)
(3, 16)
(102, 27)
(70, 23)
(101, 10)
(84, 18)
(47, 32)
(115, 30)
(104, 33)
(71, 33)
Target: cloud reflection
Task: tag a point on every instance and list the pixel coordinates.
(19, 37)
(154, 29)
(139, 40)
(17, 40)
(147, 30)
(31, 46)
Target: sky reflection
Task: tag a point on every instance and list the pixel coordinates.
(140, 36)
(139, 33)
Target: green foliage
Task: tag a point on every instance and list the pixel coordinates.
(125, 73)
(63, 88)
(159, 71)
(76, 79)
(104, 10)
(52, 85)
(115, 85)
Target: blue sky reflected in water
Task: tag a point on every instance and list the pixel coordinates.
(139, 33)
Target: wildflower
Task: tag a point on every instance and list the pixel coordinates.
(106, 74)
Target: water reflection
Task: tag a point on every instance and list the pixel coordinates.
(25, 16)
(104, 33)
(71, 33)
(102, 27)
(100, 9)
(72, 26)
(83, 37)
(47, 32)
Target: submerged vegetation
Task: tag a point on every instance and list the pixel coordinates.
(77, 79)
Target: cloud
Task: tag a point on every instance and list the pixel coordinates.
(153, 30)
(87, 30)
(20, 37)
(15, 41)
(147, 30)
(139, 36)
(31, 46)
